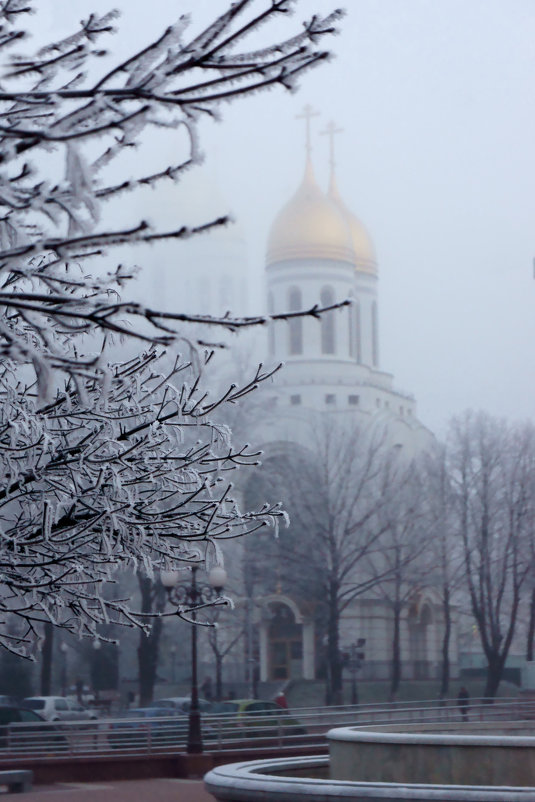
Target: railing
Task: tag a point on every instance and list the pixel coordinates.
(300, 728)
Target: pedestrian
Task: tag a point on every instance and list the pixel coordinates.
(206, 689)
(463, 703)
(281, 700)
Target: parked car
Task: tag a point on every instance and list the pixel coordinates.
(10, 701)
(255, 718)
(13, 736)
(182, 704)
(162, 726)
(57, 708)
(80, 712)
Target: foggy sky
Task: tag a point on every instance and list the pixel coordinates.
(437, 159)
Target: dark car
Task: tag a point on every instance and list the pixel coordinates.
(182, 704)
(144, 727)
(22, 729)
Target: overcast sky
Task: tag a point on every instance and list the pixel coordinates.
(437, 158)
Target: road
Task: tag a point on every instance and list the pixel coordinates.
(161, 790)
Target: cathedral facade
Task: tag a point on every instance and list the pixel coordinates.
(320, 253)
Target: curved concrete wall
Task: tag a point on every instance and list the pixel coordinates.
(301, 779)
(491, 754)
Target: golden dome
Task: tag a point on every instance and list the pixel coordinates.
(310, 226)
(365, 258)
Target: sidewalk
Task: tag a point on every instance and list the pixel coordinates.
(161, 790)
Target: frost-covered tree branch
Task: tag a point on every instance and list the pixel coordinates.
(111, 466)
(134, 475)
(51, 105)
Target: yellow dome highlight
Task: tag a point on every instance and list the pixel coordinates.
(310, 226)
(365, 258)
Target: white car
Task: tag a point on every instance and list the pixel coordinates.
(57, 708)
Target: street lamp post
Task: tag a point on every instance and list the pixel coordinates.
(194, 595)
(64, 649)
(250, 657)
(97, 646)
(250, 574)
(356, 658)
(173, 663)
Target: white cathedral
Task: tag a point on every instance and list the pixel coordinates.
(320, 253)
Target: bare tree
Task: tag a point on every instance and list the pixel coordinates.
(446, 557)
(334, 491)
(222, 637)
(398, 567)
(153, 599)
(491, 468)
(530, 555)
(530, 635)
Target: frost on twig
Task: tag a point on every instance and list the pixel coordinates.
(111, 466)
(137, 476)
(48, 230)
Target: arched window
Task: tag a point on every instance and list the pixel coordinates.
(375, 341)
(295, 344)
(327, 322)
(271, 326)
(358, 333)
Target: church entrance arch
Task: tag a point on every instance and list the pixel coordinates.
(286, 641)
(420, 619)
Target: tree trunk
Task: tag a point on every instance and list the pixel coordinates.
(218, 676)
(531, 627)
(46, 659)
(333, 650)
(495, 663)
(396, 653)
(445, 668)
(152, 600)
(249, 645)
(104, 668)
(328, 693)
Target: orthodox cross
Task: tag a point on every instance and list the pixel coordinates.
(307, 114)
(331, 131)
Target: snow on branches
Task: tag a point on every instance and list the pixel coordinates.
(125, 465)
(49, 230)
(135, 477)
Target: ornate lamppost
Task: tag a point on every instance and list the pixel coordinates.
(191, 597)
(95, 673)
(64, 650)
(356, 658)
(173, 663)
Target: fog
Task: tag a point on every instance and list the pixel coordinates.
(436, 158)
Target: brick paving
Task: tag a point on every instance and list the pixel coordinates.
(161, 790)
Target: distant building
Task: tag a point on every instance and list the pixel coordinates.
(208, 273)
(319, 252)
